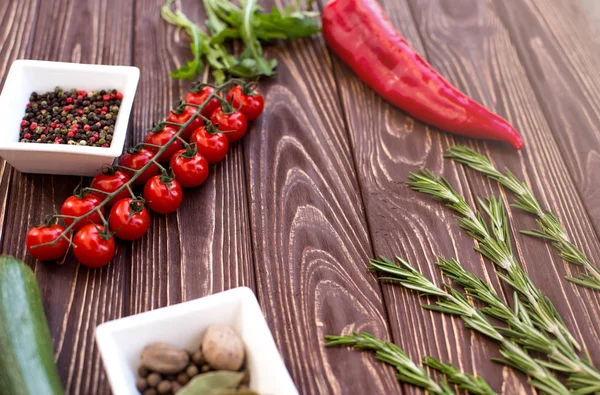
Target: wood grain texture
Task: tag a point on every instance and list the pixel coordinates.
(559, 50)
(316, 187)
(467, 42)
(204, 247)
(308, 228)
(76, 299)
(387, 146)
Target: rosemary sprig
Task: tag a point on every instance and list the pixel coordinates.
(406, 370)
(453, 302)
(582, 375)
(473, 384)
(550, 227)
(495, 245)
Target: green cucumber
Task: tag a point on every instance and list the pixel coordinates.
(26, 355)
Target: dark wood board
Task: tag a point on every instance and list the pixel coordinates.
(387, 146)
(478, 55)
(316, 187)
(204, 247)
(561, 59)
(309, 233)
(76, 299)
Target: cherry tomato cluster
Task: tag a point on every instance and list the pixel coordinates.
(183, 162)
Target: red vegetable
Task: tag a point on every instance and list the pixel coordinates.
(231, 122)
(78, 205)
(109, 181)
(199, 94)
(93, 246)
(361, 34)
(250, 102)
(135, 159)
(211, 144)
(129, 219)
(189, 167)
(163, 194)
(162, 137)
(182, 115)
(45, 234)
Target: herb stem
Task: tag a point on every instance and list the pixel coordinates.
(138, 172)
(550, 227)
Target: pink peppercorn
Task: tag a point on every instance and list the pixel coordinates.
(70, 134)
(24, 123)
(119, 96)
(92, 140)
(33, 126)
(27, 136)
(106, 97)
(66, 108)
(86, 128)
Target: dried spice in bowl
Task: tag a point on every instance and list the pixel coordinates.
(216, 367)
(73, 117)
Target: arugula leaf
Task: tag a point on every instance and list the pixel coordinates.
(248, 22)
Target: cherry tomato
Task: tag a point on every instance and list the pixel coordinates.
(182, 118)
(163, 194)
(200, 97)
(129, 219)
(93, 246)
(249, 101)
(136, 159)
(161, 138)
(234, 124)
(77, 206)
(109, 181)
(213, 147)
(44, 234)
(189, 171)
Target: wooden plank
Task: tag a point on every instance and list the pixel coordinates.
(204, 247)
(467, 42)
(387, 146)
(559, 50)
(309, 233)
(76, 299)
(18, 23)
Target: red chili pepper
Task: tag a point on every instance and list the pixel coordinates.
(361, 34)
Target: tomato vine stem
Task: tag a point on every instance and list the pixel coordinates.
(137, 173)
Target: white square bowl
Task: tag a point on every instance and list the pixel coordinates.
(121, 341)
(27, 76)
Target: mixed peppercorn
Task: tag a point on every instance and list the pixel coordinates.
(73, 117)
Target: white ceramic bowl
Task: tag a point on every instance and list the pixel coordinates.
(183, 325)
(26, 76)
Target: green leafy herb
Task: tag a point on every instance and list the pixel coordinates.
(550, 227)
(406, 370)
(455, 303)
(212, 383)
(495, 245)
(473, 384)
(246, 21)
(582, 375)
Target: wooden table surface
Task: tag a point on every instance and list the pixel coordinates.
(316, 187)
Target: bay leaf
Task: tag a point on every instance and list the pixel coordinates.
(212, 383)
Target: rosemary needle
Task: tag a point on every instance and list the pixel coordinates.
(550, 227)
(495, 245)
(455, 303)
